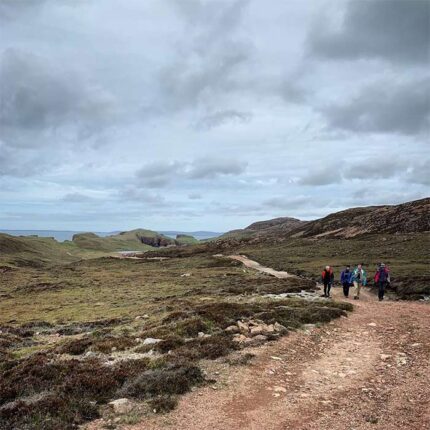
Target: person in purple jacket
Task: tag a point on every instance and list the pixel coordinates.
(346, 280)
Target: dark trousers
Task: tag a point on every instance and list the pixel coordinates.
(346, 286)
(381, 288)
(327, 287)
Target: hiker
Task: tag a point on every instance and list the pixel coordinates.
(346, 280)
(358, 279)
(327, 277)
(382, 278)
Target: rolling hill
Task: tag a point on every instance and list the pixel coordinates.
(411, 217)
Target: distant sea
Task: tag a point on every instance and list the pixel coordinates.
(62, 235)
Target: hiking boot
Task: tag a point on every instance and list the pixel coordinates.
(356, 298)
(381, 298)
(323, 295)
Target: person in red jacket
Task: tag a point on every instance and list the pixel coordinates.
(327, 278)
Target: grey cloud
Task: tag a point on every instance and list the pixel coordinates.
(16, 164)
(210, 168)
(324, 176)
(398, 31)
(377, 168)
(219, 118)
(402, 108)
(161, 173)
(383, 167)
(202, 76)
(37, 96)
(13, 9)
(158, 174)
(134, 194)
(209, 56)
(420, 173)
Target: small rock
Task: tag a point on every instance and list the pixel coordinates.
(269, 328)
(415, 345)
(185, 275)
(257, 330)
(279, 328)
(121, 406)
(243, 327)
(151, 341)
(232, 329)
(385, 357)
(202, 335)
(280, 389)
(372, 324)
(276, 358)
(239, 338)
(401, 359)
(257, 340)
(138, 339)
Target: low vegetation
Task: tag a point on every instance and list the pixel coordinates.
(139, 329)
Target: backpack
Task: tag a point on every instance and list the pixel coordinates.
(383, 275)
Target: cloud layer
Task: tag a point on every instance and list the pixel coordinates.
(201, 114)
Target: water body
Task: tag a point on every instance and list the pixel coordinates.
(62, 235)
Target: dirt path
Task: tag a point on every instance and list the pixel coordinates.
(370, 370)
(257, 266)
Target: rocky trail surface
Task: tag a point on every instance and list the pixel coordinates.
(370, 370)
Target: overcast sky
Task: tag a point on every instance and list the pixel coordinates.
(188, 114)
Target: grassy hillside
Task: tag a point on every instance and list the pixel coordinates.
(186, 239)
(407, 255)
(134, 240)
(35, 251)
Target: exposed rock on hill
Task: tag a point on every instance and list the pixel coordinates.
(283, 224)
(412, 217)
(262, 229)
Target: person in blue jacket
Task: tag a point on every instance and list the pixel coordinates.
(346, 280)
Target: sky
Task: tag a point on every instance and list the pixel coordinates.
(209, 115)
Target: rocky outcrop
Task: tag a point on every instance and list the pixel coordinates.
(254, 332)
